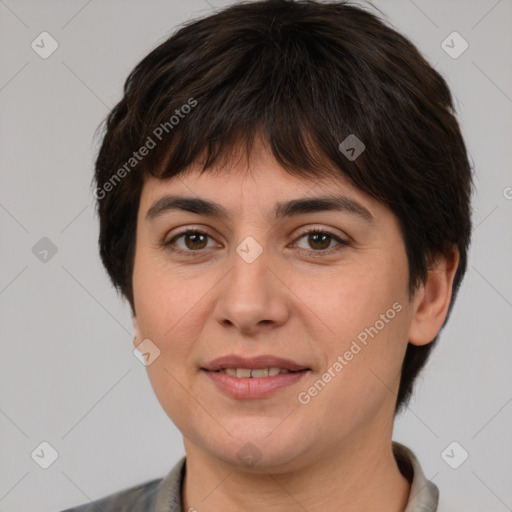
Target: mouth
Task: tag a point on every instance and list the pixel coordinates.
(256, 377)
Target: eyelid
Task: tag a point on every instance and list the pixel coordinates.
(314, 228)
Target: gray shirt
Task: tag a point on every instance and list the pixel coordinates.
(164, 494)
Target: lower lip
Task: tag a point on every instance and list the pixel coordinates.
(251, 387)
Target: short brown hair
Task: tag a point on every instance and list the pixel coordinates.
(303, 75)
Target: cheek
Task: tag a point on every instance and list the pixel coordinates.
(352, 298)
(167, 316)
(171, 312)
(161, 296)
(367, 317)
(374, 322)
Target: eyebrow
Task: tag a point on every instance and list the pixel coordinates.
(281, 210)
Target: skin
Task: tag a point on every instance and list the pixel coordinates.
(337, 448)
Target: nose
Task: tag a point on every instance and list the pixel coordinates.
(252, 298)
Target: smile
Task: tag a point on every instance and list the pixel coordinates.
(246, 384)
(256, 373)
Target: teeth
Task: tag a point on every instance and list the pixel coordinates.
(256, 373)
(260, 373)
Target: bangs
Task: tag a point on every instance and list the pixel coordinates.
(290, 96)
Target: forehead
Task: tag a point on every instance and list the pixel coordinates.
(258, 183)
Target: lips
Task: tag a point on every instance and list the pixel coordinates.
(234, 361)
(259, 377)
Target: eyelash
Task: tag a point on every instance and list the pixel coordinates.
(322, 252)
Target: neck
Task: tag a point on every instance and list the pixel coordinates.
(358, 476)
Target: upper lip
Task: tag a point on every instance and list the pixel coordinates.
(262, 361)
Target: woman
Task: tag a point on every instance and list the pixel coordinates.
(284, 200)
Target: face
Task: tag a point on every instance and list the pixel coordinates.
(333, 302)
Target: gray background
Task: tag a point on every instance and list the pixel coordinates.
(67, 372)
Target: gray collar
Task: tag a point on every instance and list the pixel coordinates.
(424, 495)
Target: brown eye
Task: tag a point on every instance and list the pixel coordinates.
(191, 241)
(319, 240)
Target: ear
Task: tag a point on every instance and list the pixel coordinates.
(136, 330)
(433, 298)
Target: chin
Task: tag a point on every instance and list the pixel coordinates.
(254, 449)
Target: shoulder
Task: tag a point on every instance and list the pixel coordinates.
(139, 498)
(163, 494)
(447, 505)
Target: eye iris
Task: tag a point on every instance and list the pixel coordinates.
(196, 237)
(324, 245)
